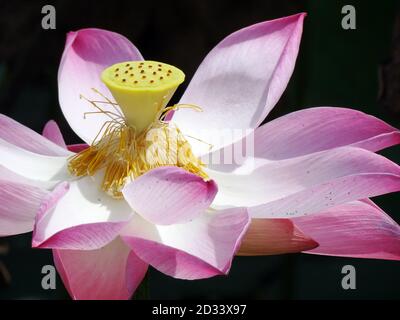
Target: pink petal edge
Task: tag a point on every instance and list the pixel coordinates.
(358, 229)
(199, 249)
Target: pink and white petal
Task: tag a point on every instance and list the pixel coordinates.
(17, 134)
(18, 206)
(32, 165)
(357, 229)
(198, 249)
(329, 194)
(52, 132)
(80, 216)
(8, 175)
(87, 53)
(112, 272)
(168, 195)
(308, 131)
(274, 236)
(241, 79)
(317, 129)
(280, 184)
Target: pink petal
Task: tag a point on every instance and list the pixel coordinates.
(329, 194)
(25, 138)
(79, 216)
(33, 166)
(309, 131)
(87, 53)
(77, 147)
(274, 236)
(198, 249)
(52, 132)
(307, 184)
(168, 195)
(18, 206)
(241, 79)
(11, 176)
(109, 273)
(316, 129)
(357, 229)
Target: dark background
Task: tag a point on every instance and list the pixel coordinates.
(350, 68)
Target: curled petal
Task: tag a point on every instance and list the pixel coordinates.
(245, 74)
(198, 249)
(109, 273)
(168, 195)
(87, 53)
(357, 229)
(274, 236)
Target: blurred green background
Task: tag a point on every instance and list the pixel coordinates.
(350, 68)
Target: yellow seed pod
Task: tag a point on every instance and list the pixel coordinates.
(142, 89)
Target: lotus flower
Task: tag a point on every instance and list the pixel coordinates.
(305, 188)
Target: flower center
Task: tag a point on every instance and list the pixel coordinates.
(138, 139)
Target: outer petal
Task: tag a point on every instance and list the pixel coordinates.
(312, 130)
(308, 184)
(358, 229)
(274, 236)
(168, 195)
(25, 138)
(20, 200)
(87, 53)
(329, 194)
(199, 249)
(52, 132)
(317, 129)
(110, 273)
(244, 75)
(79, 216)
(18, 206)
(8, 175)
(32, 165)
